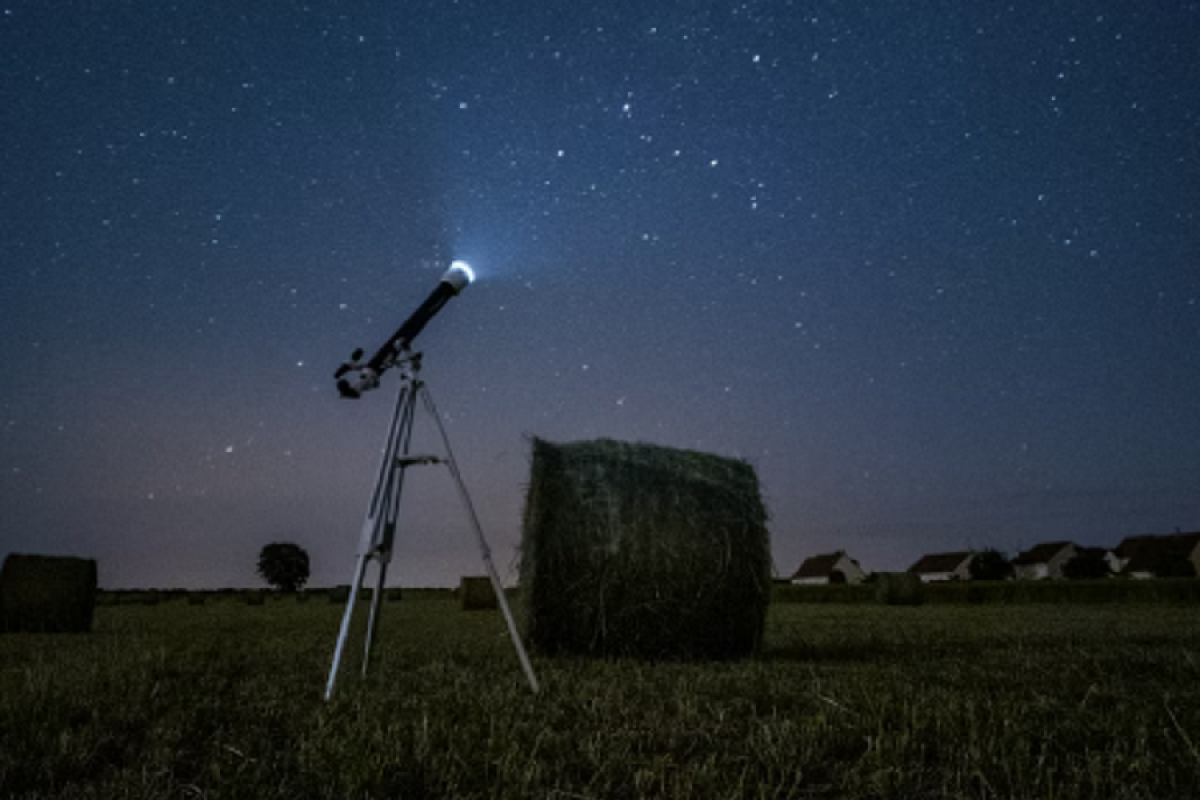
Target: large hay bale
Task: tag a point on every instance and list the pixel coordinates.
(476, 593)
(634, 549)
(899, 589)
(47, 593)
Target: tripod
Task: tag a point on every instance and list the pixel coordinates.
(379, 528)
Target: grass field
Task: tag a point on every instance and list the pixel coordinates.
(223, 700)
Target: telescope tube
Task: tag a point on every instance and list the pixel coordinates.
(455, 279)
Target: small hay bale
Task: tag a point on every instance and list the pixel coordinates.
(476, 594)
(899, 589)
(47, 594)
(254, 598)
(196, 598)
(645, 551)
(394, 595)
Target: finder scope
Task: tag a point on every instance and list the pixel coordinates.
(355, 377)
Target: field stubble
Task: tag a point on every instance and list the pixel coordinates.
(224, 701)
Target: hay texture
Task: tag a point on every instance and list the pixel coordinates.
(645, 551)
(47, 594)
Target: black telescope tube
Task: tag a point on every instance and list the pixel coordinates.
(354, 378)
(413, 325)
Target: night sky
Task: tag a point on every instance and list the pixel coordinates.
(933, 268)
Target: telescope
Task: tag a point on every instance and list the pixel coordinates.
(379, 529)
(354, 377)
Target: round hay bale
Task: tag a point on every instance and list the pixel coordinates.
(899, 589)
(645, 551)
(47, 594)
(476, 594)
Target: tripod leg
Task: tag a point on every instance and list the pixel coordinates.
(373, 620)
(359, 571)
(484, 550)
(379, 526)
(385, 537)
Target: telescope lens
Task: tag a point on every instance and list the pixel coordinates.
(458, 276)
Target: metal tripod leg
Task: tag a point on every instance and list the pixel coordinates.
(373, 620)
(379, 528)
(345, 629)
(485, 552)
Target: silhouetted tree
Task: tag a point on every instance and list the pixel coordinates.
(283, 565)
(1087, 563)
(990, 565)
(1173, 565)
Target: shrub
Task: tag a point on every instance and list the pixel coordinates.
(47, 593)
(476, 594)
(990, 565)
(633, 549)
(1088, 563)
(899, 589)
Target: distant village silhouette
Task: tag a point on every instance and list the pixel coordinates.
(1139, 557)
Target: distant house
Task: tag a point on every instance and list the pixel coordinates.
(944, 567)
(1152, 556)
(829, 568)
(1044, 561)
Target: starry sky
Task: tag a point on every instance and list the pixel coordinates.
(933, 268)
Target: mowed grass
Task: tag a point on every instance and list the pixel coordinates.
(224, 700)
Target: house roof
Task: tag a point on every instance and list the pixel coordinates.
(1142, 553)
(940, 562)
(1130, 546)
(819, 566)
(1040, 553)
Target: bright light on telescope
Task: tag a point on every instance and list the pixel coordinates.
(459, 275)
